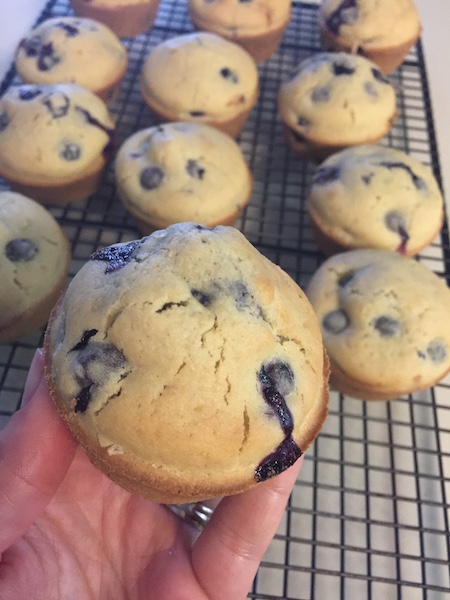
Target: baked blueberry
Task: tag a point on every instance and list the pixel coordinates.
(194, 169)
(418, 182)
(345, 14)
(336, 321)
(326, 175)
(378, 75)
(21, 250)
(281, 375)
(28, 92)
(202, 297)
(4, 121)
(367, 177)
(396, 222)
(284, 457)
(436, 351)
(69, 30)
(346, 278)
(387, 326)
(342, 68)
(47, 58)
(320, 94)
(244, 298)
(197, 113)
(70, 151)
(116, 256)
(151, 178)
(85, 339)
(370, 89)
(31, 46)
(57, 103)
(272, 383)
(229, 75)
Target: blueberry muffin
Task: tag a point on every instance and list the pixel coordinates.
(374, 197)
(203, 78)
(72, 50)
(126, 18)
(182, 172)
(384, 322)
(55, 140)
(256, 25)
(187, 364)
(335, 100)
(34, 260)
(382, 30)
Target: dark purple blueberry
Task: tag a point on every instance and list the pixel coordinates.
(29, 92)
(418, 182)
(281, 375)
(95, 363)
(116, 256)
(275, 463)
(303, 122)
(342, 68)
(4, 121)
(386, 326)
(336, 321)
(197, 113)
(229, 75)
(151, 178)
(47, 57)
(345, 14)
(96, 123)
(346, 278)
(378, 75)
(395, 221)
(436, 351)
(320, 94)
(202, 297)
(370, 89)
(244, 299)
(68, 29)
(325, 175)
(21, 250)
(31, 46)
(70, 151)
(84, 339)
(272, 383)
(194, 169)
(58, 104)
(367, 178)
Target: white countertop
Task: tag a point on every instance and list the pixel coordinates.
(17, 17)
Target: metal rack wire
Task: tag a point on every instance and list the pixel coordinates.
(369, 516)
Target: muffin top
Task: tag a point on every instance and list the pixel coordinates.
(73, 50)
(234, 18)
(200, 76)
(384, 318)
(337, 98)
(34, 255)
(182, 172)
(52, 133)
(376, 197)
(192, 353)
(371, 23)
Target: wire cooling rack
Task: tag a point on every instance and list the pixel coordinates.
(369, 516)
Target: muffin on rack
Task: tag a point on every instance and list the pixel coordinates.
(34, 262)
(257, 26)
(126, 18)
(187, 364)
(384, 322)
(73, 50)
(374, 197)
(382, 30)
(182, 172)
(335, 100)
(203, 78)
(55, 141)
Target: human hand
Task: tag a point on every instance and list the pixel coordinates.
(69, 533)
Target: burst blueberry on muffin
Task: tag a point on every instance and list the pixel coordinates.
(203, 78)
(382, 30)
(55, 141)
(374, 197)
(34, 259)
(182, 172)
(187, 364)
(383, 318)
(126, 18)
(333, 101)
(256, 25)
(73, 50)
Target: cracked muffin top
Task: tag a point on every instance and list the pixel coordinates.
(34, 256)
(376, 197)
(339, 99)
(52, 133)
(71, 49)
(187, 364)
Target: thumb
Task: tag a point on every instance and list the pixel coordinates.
(36, 451)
